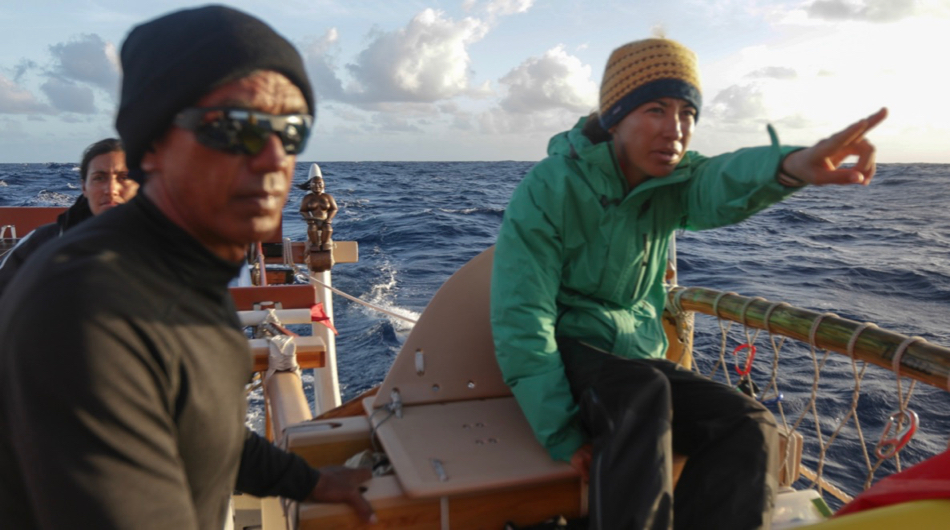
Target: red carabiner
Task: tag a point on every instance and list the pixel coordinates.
(748, 362)
(888, 447)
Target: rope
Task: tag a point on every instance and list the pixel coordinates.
(776, 348)
(903, 421)
(899, 354)
(361, 302)
(813, 400)
(835, 491)
(375, 426)
(858, 377)
(724, 330)
(901, 401)
(282, 349)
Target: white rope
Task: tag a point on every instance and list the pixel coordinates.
(902, 402)
(282, 349)
(776, 348)
(813, 400)
(749, 339)
(858, 377)
(281, 355)
(724, 330)
(361, 302)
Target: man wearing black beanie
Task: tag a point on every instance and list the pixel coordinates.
(131, 415)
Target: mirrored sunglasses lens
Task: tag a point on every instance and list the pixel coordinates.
(252, 138)
(248, 133)
(294, 135)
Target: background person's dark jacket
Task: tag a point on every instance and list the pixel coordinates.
(13, 260)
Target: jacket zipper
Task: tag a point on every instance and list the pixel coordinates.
(643, 265)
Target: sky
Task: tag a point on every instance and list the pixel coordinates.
(427, 80)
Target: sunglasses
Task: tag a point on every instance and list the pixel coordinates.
(243, 131)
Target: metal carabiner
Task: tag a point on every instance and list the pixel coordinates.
(748, 362)
(887, 447)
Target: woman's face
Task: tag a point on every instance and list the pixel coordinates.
(107, 183)
(652, 139)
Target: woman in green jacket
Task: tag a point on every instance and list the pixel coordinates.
(577, 296)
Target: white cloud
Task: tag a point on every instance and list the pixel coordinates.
(68, 96)
(555, 80)
(87, 59)
(738, 103)
(424, 62)
(508, 7)
(321, 56)
(389, 122)
(539, 125)
(864, 10)
(774, 72)
(499, 7)
(14, 99)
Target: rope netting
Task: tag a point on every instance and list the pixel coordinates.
(816, 394)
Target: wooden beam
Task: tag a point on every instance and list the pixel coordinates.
(353, 407)
(286, 402)
(300, 296)
(343, 252)
(923, 361)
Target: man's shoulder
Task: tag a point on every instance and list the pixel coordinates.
(47, 231)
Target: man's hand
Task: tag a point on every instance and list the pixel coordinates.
(581, 461)
(342, 484)
(818, 165)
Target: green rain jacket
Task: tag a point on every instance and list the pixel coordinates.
(581, 256)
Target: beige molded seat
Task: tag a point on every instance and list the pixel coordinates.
(460, 429)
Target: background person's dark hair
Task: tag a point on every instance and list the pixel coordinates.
(109, 145)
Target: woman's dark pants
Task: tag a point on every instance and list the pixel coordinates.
(638, 412)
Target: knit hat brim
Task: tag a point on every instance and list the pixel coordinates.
(662, 88)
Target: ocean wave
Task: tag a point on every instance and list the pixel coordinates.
(51, 198)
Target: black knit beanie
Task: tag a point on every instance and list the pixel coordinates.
(169, 63)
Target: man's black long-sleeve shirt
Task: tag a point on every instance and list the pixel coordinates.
(122, 372)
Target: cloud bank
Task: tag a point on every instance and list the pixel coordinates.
(77, 70)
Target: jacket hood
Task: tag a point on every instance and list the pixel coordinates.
(576, 140)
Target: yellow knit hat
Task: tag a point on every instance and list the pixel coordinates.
(646, 70)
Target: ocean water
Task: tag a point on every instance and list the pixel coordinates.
(879, 253)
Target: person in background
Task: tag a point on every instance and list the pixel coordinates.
(123, 366)
(577, 297)
(105, 184)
